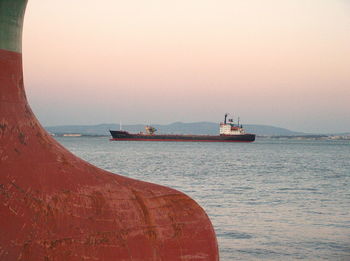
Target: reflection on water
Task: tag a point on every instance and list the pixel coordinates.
(271, 200)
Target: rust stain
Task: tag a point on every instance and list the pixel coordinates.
(98, 202)
(62, 159)
(25, 252)
(178, 228)
(3, 127)
(149, 230)
(59, 242)
(98, 239)
(22, 138)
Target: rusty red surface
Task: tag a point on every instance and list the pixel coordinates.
(55, 206)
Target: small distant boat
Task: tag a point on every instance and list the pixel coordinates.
(229, 132)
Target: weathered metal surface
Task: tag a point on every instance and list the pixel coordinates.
(11, 20)
(55, 206)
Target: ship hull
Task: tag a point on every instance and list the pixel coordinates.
(122, 135)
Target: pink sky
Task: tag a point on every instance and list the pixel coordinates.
(282, 63)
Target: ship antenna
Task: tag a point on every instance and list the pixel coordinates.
(238, 121)
(120, 125)
(225, 117)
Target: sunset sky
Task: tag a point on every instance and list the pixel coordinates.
(275, 62)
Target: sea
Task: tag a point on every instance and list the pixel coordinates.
(267, 200)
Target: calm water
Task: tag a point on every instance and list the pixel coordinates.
(268, 200)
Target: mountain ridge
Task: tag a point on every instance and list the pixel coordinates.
(209, 128)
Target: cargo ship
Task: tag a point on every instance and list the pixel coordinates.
(229, 132)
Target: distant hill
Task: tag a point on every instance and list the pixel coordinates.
(176, 127)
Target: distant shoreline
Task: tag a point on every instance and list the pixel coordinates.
(299, 137)
(195, 128)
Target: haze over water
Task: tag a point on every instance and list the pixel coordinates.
(281, 63)
(268, 200)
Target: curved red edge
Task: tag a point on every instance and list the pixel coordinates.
(55, 206)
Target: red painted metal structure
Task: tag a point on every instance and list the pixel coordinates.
(57, 207)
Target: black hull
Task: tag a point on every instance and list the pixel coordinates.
(123, 135)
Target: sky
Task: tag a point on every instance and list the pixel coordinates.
(284, 63)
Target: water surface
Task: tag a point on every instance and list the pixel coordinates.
(267, 200)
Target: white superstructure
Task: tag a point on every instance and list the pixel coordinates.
(230, 128)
